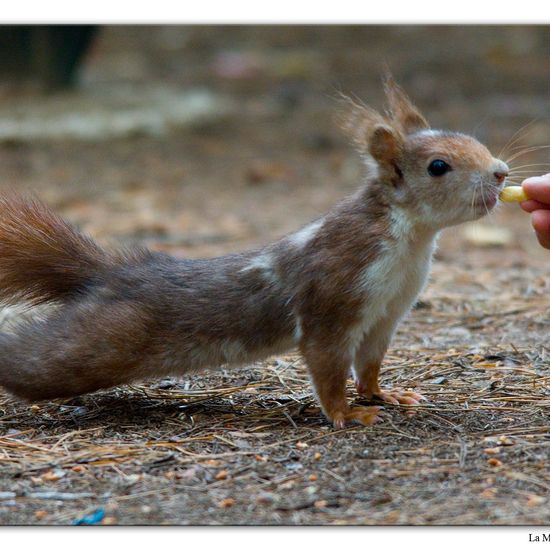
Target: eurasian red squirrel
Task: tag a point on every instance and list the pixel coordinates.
(335, 289)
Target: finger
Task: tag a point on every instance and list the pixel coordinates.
(538, 188)
(541, 223)
(532, 205)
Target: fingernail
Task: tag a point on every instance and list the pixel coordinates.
(537, 179)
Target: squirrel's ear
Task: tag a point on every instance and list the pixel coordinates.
(401, 109)
(386, 147)
(357, 121)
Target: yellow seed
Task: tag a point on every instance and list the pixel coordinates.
(513, 193)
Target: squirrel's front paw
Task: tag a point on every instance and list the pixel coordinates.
(361, 415)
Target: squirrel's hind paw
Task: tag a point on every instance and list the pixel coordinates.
(400, 397)
(394, 397)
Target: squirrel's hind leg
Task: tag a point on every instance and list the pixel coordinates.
(366, 366)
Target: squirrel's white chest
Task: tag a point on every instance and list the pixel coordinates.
(391, 283)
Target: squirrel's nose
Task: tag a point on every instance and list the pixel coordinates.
(501, 172)
(500, 175)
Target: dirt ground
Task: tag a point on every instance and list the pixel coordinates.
(250, 446)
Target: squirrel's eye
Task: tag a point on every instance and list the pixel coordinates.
(438, 167)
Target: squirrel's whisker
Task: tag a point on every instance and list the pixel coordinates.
(517, 137)
(525, 151)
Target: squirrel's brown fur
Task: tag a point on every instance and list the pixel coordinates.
(336, 289)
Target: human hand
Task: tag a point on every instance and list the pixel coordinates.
(538, 205)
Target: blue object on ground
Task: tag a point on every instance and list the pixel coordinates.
(91, 519)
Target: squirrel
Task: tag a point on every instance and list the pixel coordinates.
(335, 289)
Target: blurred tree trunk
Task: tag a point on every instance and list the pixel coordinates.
(46, 54)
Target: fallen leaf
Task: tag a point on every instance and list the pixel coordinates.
(227, 503)
(53, 475)
(535, 500)
(488, 493)
(492, 450)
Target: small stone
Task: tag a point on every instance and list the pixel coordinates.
(265, 498)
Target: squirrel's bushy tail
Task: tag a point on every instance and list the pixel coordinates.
(43, 258)
(99, 336)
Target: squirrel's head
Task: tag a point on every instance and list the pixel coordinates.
(442, 178)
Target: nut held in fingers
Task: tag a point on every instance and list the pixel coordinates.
(513, 193)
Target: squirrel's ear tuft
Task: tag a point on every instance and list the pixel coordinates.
(358, 120)
(401, 109)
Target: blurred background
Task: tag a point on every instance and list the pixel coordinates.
(200, 140)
